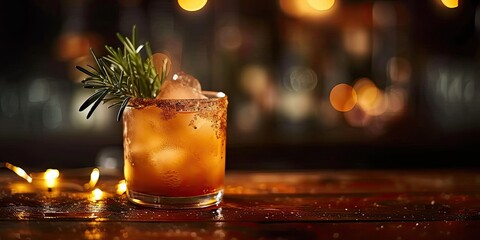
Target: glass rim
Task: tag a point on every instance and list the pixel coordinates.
(214, 98)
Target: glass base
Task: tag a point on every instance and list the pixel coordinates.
(202, 201)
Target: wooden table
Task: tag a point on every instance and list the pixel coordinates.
(442, 204)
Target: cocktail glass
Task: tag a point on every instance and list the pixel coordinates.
(175, 151)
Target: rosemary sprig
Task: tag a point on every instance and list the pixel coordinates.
(122, 75)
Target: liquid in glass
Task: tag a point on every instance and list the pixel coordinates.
(175, 151)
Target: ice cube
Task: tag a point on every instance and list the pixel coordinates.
(167, 162)
(187, 80)
(181, 86)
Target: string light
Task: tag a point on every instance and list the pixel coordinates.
(94, 176)
(19, 171)
(97, 194)
(50, 177)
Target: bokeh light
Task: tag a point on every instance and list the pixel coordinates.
(399, 70)
(230, 37)
(367, 93)
(192, 5)
(356, 41)
(257, 83)
(302, 79)
(73, 45)
(450, 3)
(343, 97)
(254, 79)
(321, 5)
(306, 8)
(295, 106)
(380, 105)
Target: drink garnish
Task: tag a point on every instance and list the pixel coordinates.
(124, 74)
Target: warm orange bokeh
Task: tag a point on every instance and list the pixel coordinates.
(192, 5)
(367, 93)
(321, 5)
(343, 97)
(450, 3)
(306, 8)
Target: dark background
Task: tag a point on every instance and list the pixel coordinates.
(250, 50)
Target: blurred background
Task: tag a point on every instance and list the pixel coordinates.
(333, 84)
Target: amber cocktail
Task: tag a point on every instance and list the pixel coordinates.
(175, 151)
